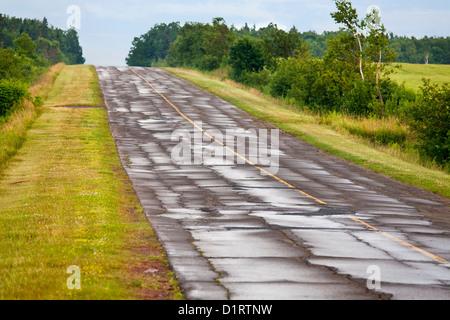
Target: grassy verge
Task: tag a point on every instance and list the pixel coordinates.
(65, 200)
(13, 132)
(327, 134)
(86, 92)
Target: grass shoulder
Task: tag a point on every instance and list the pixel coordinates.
(330, 135)
(76, 86)
(65, 200)
(13, 129)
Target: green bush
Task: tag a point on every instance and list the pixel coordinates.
(359, 99)
(429, 117)
(298, 79)
(11, 93)
(259, 80)
(246, 55)
(397, 99)
(285, 76)
(209, 62)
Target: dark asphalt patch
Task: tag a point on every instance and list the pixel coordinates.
(321, 212)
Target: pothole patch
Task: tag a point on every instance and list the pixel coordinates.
(321, 212)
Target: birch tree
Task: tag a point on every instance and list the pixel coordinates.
(348, 16)
(377, 49)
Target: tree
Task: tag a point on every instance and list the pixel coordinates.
(430, 119)
(202, 46)
(8, 64)
(246, 55)
(187, 50)
(347, 16)
(280, 44)
(154, 45)
(44, 29)
(50, 50)
(25, 46)
(378, 49)
(216, 44)
(365, 44)
(71, 47)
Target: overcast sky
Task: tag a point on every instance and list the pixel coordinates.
(107, 27)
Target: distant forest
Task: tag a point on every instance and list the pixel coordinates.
(153, 46)
(427, 50)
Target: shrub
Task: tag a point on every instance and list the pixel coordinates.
(358, 100)
(246, 55)
(298, 79)
(397, 99)
(11, 93)
(429, 117)
(259, 80)
(209, 62)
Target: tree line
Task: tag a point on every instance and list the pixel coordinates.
(27, 48)
(154, 45)
(345, 71)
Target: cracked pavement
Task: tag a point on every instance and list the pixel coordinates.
(230, 232)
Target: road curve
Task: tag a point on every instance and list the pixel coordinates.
(310, 227)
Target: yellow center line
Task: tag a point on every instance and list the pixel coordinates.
(368, 226)
(406, 244)
(222, 144)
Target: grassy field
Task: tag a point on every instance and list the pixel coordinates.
(65, 200)
(412, 74)
(327, 134)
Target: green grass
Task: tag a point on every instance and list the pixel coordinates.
(13, 130)
(412, 74)
(66, 200)
(327, 134)
(76, 86)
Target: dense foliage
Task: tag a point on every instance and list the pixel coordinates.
(154, 45)
(345, 71)
(27, 48)
(11, 92)
(53, 44)
(430, 118)
(201, 46)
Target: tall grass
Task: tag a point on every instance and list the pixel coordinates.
(13, 129)
(379, 131)
(390, 135)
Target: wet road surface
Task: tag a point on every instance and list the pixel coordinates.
(311, 227)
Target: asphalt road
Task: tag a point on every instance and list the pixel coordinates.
(295, 223)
